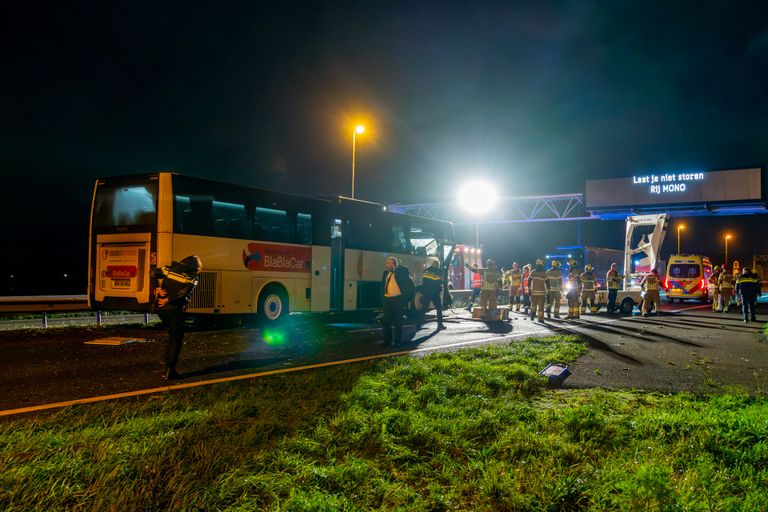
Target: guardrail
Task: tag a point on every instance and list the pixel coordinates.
(45, 305)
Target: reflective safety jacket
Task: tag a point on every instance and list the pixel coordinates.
(538, 282)
(477, 281)
(715, 280)
(748, 286)
(725, 280)
(651, 282)
(554, 279)
(613, 280)
(515, 278)
(178, 281)
(574, 284)
(526, 286)
(489, 279)
(588, 281)
(432, 280)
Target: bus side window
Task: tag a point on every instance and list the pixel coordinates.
(399, 241)
(304, 228)
(230, 219)
(200, 219)
(272, 225)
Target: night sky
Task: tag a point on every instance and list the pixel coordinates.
(536, 96)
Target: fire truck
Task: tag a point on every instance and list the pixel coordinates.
(459, 277)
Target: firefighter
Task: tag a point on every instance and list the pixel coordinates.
(588, 287)
(537, 284)
(490, 283)
(574, 293)
(504, 278)
(748, 287)
(737, 272)
(651, 285)
(177, 282)
(725, 282)
(525, 289)
(432, 291)
(613, 281)
(477, 286)
(554, 284)
(515, 286)
(717, 306)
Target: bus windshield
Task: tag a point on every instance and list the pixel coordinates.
(126, 205)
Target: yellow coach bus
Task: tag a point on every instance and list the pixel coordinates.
(263, 252)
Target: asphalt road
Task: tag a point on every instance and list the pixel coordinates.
(688, 348)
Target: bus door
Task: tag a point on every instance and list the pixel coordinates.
(337, 265)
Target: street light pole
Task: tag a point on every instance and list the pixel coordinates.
(727, 237)
(681, 226)
(358, 129)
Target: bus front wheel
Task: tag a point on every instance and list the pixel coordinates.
(273, 304)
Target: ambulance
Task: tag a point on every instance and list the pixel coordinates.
(687, 278)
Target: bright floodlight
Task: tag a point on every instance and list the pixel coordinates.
(359, 128)
(477, 197)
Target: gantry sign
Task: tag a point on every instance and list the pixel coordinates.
(509, 210)
(681, 193)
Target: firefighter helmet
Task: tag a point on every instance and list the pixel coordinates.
(555, 264)
(588, 267)
(539, 262)
(724, 268)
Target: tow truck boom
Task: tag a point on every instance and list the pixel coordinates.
(650, 245)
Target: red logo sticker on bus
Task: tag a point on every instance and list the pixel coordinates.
(277, 258)
(120, 271)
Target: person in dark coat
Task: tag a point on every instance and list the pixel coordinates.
(432, 291)
(397, 289)
(178, 281)
(748, 287)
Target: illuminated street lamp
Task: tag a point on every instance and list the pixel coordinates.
(358, 129)
(727, 237)
(477, 198)
(679, 227)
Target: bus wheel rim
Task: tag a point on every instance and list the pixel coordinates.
(273, 307)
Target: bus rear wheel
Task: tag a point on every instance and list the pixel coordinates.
(273, 304)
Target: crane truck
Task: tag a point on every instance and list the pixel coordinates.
(649, 246)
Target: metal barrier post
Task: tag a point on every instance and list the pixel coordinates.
(45, 320)
(146, 317)
(98, 317)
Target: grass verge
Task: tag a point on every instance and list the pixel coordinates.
(475, 429)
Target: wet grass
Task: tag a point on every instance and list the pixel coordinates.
(469, 430)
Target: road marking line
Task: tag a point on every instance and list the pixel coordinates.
(149, 391)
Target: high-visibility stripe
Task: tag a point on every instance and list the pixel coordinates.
(180, 277)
